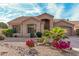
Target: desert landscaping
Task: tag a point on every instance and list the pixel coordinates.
(39, 29)
(40, 35)
(9, 48)
(44, 46)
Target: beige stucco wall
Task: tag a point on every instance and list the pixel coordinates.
(37, 21)
(24, 26)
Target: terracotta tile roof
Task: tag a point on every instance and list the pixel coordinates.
(45, 14)
(62, 20)
(19, 20)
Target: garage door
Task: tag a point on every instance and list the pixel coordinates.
(67, 31)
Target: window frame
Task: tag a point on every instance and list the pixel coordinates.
(29, 28)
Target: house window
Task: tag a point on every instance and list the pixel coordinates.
(31, 28)
(16, 29)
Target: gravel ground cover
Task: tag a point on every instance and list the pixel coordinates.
(19, 49)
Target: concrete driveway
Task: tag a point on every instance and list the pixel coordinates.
(74, 41)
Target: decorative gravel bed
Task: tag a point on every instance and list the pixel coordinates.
(19, 49)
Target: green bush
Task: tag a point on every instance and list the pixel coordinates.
(38, 34)
(46, 36)
(77, 32)
(14, 31)
(32, 35)
(8, 32)
(46, 33)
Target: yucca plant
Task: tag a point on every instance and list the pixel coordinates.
(57, 33)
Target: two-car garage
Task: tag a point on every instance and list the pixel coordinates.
(68, 27)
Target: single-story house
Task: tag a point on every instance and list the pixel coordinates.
(27, 24)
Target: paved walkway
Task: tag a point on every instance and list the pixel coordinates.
(74, 40)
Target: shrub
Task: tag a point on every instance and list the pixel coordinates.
(14, 31)
(46, 36)
(8, 32)
(32, 34)
(77, 32)
(39, 34)
(46, 33)
(61, 44)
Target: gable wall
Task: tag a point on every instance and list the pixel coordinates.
(24, 26)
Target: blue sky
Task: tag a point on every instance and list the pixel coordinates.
(58, 10)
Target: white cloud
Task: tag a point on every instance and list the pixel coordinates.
(56, 10)
(75, 13)
(4, 19)
(15, 10)
(8, 4)
(59, 12)
(52, 8)
(34, 9)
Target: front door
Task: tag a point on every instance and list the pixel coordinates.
(46, 24)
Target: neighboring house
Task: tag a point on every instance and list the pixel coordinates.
(25, 25)
(76, 24)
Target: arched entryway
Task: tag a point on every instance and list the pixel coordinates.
(46, 24)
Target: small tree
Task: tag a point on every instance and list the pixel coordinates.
(3, 25)
(8, 32)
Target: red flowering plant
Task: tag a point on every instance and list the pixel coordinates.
(32, 51)
(30, 43)
(61, 44)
